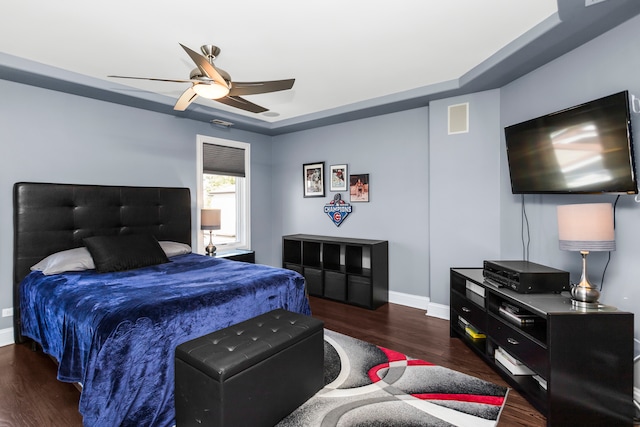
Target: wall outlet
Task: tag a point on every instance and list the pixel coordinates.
(7, 312)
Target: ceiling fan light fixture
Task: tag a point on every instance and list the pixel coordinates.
(213, 83)
(211, 90)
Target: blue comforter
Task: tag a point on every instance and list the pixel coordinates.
(115, 333)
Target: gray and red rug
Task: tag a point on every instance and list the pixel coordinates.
(371, 386)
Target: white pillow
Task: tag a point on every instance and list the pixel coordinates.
(78, 259)
(174, 248)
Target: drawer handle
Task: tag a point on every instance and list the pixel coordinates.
(512, 341)
(466, 310)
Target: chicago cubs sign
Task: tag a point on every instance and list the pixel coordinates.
(337, 209)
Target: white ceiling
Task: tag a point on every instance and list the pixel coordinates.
(339, 52)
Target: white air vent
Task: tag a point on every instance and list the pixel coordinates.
(458, 118)
(221, 123)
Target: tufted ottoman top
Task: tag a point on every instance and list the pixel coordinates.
(222, 354)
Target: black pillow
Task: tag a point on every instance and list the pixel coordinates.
(119, 253)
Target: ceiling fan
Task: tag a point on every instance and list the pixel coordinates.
(214, 83)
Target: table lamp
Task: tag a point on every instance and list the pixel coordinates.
(584, 228)
(210, 220)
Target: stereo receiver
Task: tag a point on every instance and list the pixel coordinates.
(525, 277)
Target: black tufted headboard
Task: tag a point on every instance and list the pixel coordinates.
(49, 218)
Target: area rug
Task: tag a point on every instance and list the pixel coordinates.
(367, 385)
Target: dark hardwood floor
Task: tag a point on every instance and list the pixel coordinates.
(30, 395)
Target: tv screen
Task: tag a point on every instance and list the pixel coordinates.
(583, 149)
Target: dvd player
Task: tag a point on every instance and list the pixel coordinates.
(525, 277)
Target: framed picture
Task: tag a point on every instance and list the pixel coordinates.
(338, 174)
(359, 187)
(313, 178)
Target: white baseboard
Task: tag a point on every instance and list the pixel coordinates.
(440, 311)
(6, 336)
(409, 300)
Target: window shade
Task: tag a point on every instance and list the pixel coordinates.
(221, 160)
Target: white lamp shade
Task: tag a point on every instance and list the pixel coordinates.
(586, 227)
(210, 219)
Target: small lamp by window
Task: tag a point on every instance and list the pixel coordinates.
(210, 220)
(584, 228)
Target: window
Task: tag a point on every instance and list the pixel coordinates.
(223, 183)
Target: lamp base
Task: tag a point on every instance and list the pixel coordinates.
(584, 294)
(211, 249)
(582, 304)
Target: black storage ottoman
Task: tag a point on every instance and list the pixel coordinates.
(251, 374)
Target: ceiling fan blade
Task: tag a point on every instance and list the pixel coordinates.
(187, 97)
(151, 78)
(252, 88)
(204, 66)
(243, 104)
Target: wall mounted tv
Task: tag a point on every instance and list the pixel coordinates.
(581, 150)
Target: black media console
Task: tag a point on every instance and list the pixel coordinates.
(574, 365)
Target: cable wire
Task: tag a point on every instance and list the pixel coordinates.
(524, 220)
(609, 257)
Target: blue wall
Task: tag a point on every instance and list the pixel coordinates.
(393, 150)
(50, 136)
(604, 66)
(464, 197)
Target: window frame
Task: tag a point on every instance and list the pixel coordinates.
(243, 228)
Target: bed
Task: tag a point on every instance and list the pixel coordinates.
(115, 332)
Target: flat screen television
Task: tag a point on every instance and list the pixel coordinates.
(581, 150)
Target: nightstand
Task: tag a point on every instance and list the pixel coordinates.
(238, 255)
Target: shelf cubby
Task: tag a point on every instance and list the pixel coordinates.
(331, 257)
(292, 252)
(311, 254)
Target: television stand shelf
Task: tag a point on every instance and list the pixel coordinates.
(574, 365)
(353, 271)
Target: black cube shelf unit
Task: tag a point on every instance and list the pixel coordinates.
(353, 271)
(579, 362)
